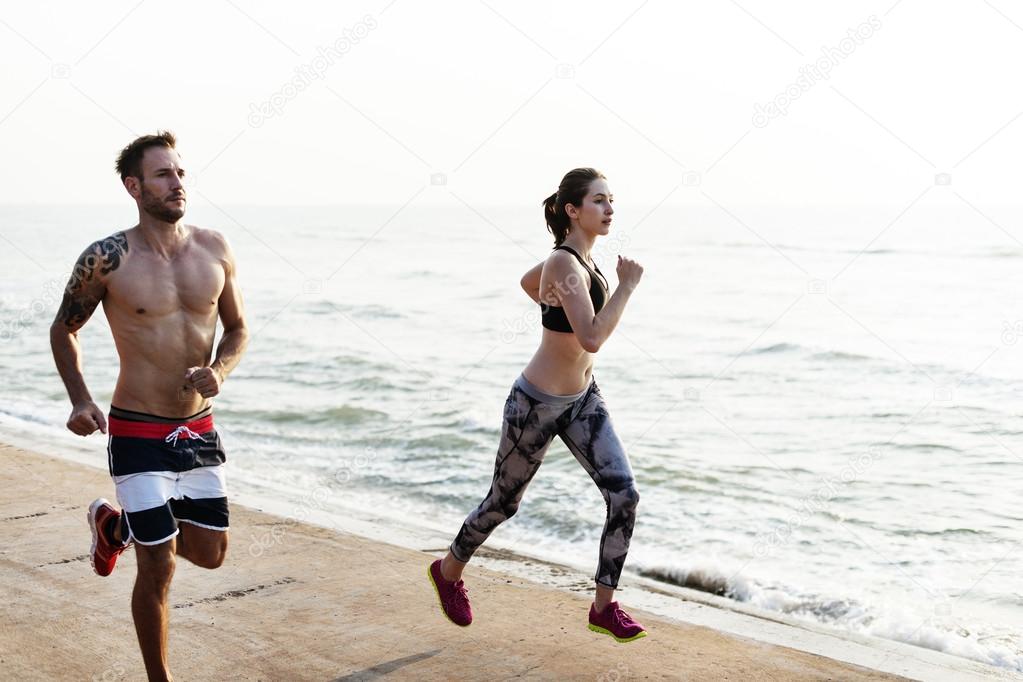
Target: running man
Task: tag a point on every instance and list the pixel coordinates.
(163, 284)
(557, 396)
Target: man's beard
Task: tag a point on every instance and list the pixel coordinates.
(156, 207)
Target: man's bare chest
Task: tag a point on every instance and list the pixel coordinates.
(151, 286)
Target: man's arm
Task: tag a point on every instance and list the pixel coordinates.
(531, 281)
(207, 380)
(83, 293)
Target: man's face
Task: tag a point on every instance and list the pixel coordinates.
(162, 192)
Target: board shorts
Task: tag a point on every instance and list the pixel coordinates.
(167, 471)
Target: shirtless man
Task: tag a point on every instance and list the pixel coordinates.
(163, 284)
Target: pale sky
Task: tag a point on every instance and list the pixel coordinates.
(501, 98)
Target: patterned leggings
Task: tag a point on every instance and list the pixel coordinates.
(531, 420)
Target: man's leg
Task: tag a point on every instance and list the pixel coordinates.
(149, 605)
(203, 547)
(202, 521)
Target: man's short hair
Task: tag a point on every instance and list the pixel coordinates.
(129, 161)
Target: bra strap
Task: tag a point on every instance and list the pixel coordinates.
(584, 264)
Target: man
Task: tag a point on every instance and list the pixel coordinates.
(163, 284)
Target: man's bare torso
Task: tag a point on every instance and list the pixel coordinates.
(163, 315)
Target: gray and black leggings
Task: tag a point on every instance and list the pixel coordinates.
(531, 420)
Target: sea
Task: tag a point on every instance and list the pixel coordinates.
(819, 402)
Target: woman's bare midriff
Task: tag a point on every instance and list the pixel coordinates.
(560, 366)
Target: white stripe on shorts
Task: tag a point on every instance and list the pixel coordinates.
(149, 489)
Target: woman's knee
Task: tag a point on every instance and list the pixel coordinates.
(498, 507)
(508, 509)
(627, 499)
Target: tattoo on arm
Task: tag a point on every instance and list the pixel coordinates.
(84, 290)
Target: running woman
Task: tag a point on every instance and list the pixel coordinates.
(557, 396)
(163, 285)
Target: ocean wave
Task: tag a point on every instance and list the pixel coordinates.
(374, 383)
(838, 355)
(976, 641)
(701, 579)
(439, 441)
(887, 251)
(1001, 649)
(283, 368)
(775, 348)
(343, 415)
(819, 355)
(923, 447)
(27, 415)
(368, 311)
(999, 253)
(915, 532)
(825, 250)
(412, 450)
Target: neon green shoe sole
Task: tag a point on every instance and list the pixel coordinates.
(622, 640)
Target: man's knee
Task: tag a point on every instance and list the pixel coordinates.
(213, 554)
(213, 559)
(155, 564)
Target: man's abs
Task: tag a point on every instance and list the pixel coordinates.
(154, 366)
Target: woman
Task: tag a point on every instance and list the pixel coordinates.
(556, 396)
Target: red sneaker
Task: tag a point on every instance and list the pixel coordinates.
(104, 553)
(615, 622)
(454, 597)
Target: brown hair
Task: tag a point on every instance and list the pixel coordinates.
(129, 161)
(572, 190)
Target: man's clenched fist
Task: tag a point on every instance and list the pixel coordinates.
(205, 380)
(86, 418)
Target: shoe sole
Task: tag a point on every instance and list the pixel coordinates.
(621, 640)
(429, 574)
(91, 516)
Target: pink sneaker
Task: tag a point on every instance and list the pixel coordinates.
(454, 598)
(615, 622)
(104, 553)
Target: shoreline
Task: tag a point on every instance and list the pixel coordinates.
(298, 610)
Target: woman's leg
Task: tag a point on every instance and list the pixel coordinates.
(591, 437)
(529, 427)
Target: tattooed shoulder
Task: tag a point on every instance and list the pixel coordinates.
(112, 250)
(84, 289)
(101, 257)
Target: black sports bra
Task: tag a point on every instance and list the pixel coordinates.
(553, 317)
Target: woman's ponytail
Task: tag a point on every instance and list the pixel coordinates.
(557, 221)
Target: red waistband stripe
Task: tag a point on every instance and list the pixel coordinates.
(134, 429)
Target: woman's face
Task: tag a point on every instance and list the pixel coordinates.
(594, 214)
